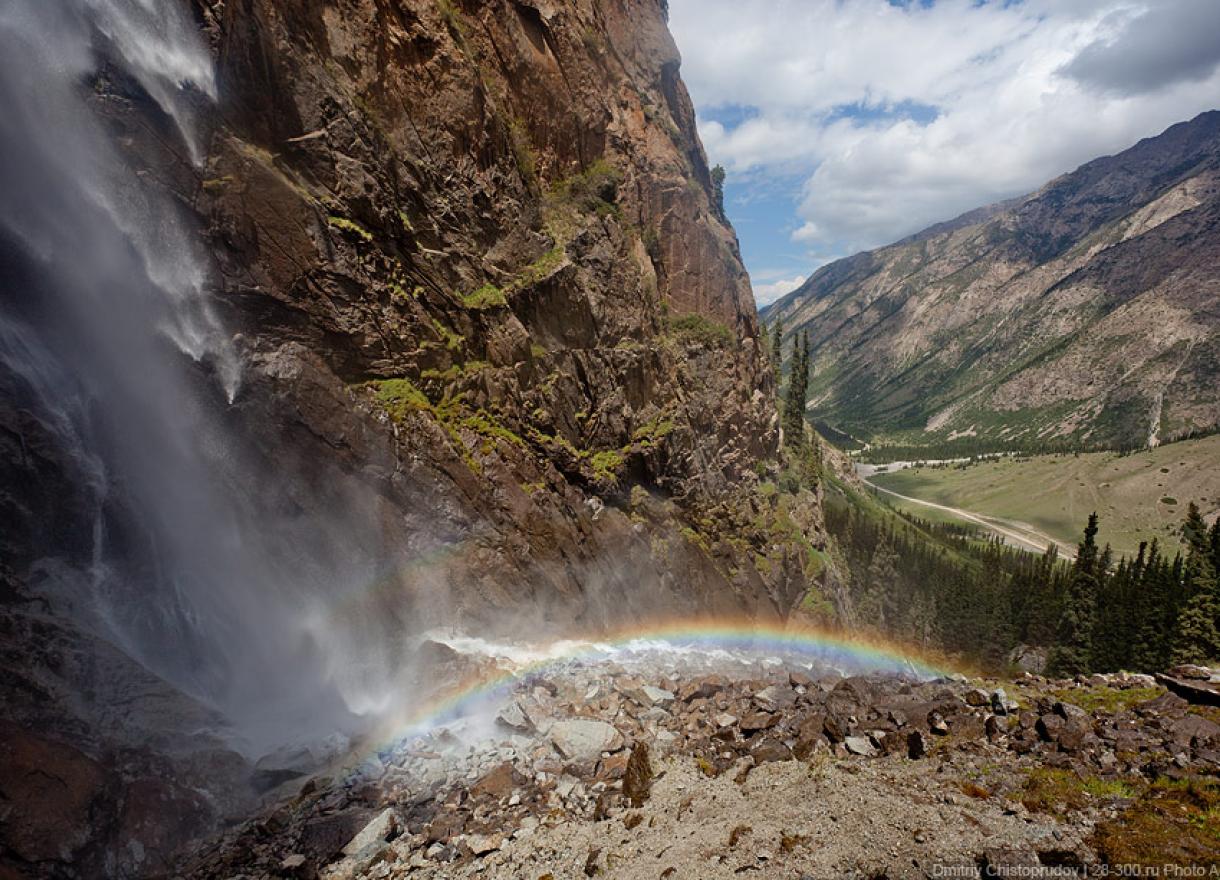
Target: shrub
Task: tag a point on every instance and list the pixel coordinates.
(400, 397)
(606, 464)
(702, 330)
(350, 226)
(486, 297)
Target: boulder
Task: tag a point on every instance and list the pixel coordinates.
(380, 829)
(800, 680)
(759, 721)
(1049, 726)
(1198, 690)
(496, 784)
(515, 718)
(703, 688)
(637, 783)
(583, 739)
(482, 844)
(860, 745)
(976, 697)
(48, 790)
(1195, 731)
(775, 698)
(1032, 659)
(770, 751)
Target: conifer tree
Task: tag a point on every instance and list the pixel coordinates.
(798, 388)
(1196, 639)
(777, 351)
(764, 341)
(1073, 651)
(1149, 653)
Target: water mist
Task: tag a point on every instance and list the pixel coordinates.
(111, 340)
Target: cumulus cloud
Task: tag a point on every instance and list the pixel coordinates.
(1168, 43)
(896, 117)
(765, 294)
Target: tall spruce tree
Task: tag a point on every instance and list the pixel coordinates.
(1196, 639)
(1073, 651)
(777, 351)
(798, 389)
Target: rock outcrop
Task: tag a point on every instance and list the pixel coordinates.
(499, 366)
(473, 255)
(1085, 312)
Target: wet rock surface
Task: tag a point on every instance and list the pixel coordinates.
(855, 776)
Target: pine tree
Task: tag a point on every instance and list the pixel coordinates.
(764, 342)
(798, 389)
(1153, 612)
(1073, 651)
(777, 351)
(1196, 639)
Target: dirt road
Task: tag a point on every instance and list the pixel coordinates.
(1021, 534)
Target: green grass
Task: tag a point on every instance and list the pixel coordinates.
(1174, 822)
(1056, 493)
(351, 226)
(489, 296)
(701, 329)
(486, 297)
(606, 464)
(1107, 699)
(1058, 792)
(400, 397)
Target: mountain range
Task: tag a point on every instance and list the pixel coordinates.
(1086, 313)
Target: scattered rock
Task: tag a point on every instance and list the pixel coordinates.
(584, 740)
(860, 745)
(637, 783)
(759, 721)
(382, 827)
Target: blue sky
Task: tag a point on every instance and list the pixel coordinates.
(848, 124)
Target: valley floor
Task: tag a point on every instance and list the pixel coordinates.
(1138, 497)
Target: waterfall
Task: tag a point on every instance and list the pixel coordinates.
(110, 338)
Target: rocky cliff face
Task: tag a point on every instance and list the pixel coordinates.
(472, 252)
(498, 368)
(1086, 311)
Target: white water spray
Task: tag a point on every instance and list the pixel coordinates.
(203, 559)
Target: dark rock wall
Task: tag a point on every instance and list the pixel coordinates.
(504, 205)
(507, 205)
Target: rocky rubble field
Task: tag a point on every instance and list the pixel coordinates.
(595, 770)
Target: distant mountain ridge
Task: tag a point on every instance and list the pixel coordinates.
(1087, 312)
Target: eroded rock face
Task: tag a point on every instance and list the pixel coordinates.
(483, 299)
(505, 205)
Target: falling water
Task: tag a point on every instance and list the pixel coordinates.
(110, 336)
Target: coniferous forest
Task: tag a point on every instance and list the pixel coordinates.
(945, 587)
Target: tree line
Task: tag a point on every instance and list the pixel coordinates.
(946, 587)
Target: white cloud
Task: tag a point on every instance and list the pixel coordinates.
(765, 294)
(898, 117)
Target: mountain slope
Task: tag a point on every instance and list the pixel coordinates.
(1087, 311)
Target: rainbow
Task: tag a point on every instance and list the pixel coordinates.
(750, 638)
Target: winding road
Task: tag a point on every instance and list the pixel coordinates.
(1020, 534)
